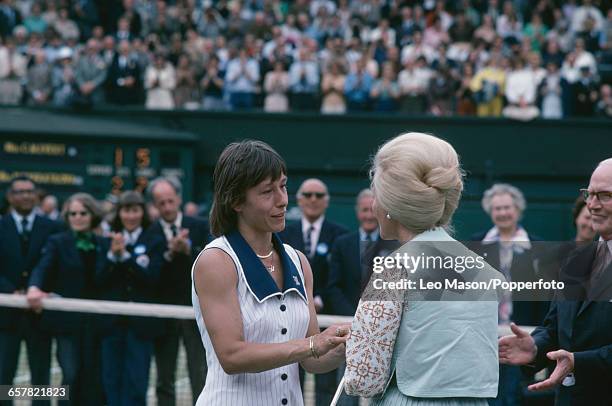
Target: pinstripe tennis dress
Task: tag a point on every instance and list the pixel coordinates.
(269, 315)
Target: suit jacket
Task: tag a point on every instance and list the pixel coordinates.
(61, 271)
(175, 278)
(580, 321)
(524, 311)
(292, 235)
(134, 280)
(15, 269)
(122, 94)
(345, 274)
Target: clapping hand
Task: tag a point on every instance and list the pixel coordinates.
(180, 244)
(117, 244)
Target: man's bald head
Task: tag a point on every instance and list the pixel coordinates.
(601, 207)
(313, 198)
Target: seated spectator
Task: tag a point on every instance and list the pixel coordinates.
(63, 79)
(413, 81)
(585, 93)
(385, 92)
(332, 88)
(276, 85)
(435, 35)
(160, 81)
(123, 30)
(585, 11)
(123, 79)
(521, 88)
(584, 57)
(604, 106)
(465, 99)
(35, 22)
(211, 86)
(209, 24)
(39, 85)
(186, 91)
(13, 67)
(241, 80)
(303, 81)
(488, 88)
(440, 91)
(90, 75)
(509, 25)
(65, 26)
(552, 53)
(357, 88)
(550, 90)
(383, 33)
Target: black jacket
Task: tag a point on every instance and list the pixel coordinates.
(174, 285)
(293, 236)
(581, 322)
(15, 269)
(134, 280)
(61, 270)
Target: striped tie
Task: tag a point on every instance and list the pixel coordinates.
(308, 242)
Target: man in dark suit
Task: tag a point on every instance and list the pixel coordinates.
(184, 238)
(577, 331)
(124, 79)
(23, 235)
(314, 235)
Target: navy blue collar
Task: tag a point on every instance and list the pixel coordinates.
(257, 277)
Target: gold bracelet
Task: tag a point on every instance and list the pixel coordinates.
(313, 351)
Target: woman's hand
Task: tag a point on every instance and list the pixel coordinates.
(117, 244)
(35, 297)
(333, 337)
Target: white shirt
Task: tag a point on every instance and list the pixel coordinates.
(17, 217)
(363, 235)
(167, 227)
(316, 232)
(131, 238)
(268, 316)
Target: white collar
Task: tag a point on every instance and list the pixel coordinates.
(177, 222)
(132, 237)
(608, 243)
(317, 224)
(363, 234)
(17, 217)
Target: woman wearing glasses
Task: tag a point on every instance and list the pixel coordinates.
(127, 342)
(68, 268)
(252, 294)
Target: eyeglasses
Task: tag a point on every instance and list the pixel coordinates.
(603, 196)
(78, 213)
(318, 195)
(22, 191)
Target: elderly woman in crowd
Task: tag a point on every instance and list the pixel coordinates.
(445, 351)
(68, 268)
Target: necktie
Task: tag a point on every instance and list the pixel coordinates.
(602, 260)
(25, 235)
(308, 242)
(174, 230)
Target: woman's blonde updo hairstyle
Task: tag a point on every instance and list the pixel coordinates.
(417, 179)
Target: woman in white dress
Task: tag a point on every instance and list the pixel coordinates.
(252, 294)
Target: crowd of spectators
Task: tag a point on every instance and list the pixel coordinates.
(520, 58)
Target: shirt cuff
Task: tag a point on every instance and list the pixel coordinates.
(113, 258)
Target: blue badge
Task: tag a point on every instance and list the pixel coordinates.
(140, 249)
(322, 248)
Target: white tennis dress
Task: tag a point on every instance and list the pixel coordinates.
(269, 315)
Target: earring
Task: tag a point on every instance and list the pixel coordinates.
(388, 216)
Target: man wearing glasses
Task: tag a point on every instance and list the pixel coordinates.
(314, 235)
(22, 237)
(577, 333)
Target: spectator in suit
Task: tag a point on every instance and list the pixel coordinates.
(39, 82)
(90, 75)
(22, 236)
(304, 81)
(241, 80)
(68, 267)
(10, 18)
(123, 79)
(357, 87)
(184, 237)
(314, 235)
(136, 258)
(507, 247)
(577, 334)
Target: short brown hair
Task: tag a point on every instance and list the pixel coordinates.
(90, 204)
(241, 166)
(126, 199)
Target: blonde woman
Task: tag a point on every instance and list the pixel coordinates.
(446, 349)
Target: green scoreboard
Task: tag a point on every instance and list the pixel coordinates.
(63, 165)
